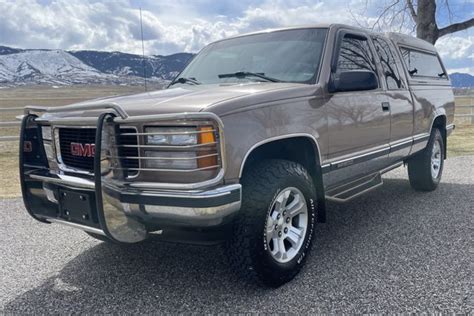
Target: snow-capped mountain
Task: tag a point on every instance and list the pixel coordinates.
(52, 66)
(121, 64)
(40, 66)
(43, 66)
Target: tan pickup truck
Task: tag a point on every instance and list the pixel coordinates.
(246, 145)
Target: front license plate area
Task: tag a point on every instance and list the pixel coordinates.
(78, 207)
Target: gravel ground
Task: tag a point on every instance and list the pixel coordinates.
(392, 250)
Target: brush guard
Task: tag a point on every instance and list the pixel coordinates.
(95, 204)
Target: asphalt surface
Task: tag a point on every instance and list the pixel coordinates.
(392, 250)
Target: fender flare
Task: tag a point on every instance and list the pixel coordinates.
(317, 178)
(443, 133)
(275, 138)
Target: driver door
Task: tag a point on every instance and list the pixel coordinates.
(358, 121)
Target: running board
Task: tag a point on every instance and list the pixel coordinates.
(355, 188)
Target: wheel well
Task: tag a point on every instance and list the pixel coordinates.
(298, 149)
(440, 123)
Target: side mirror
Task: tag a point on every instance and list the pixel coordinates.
(355, 80)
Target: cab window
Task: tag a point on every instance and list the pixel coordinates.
(388, 63)
(354, 54)
(421, 64)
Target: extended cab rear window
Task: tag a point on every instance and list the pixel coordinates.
(389, 64)
(421, 64)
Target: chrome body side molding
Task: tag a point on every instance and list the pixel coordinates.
(391, 147)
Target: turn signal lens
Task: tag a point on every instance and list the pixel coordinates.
(207, 135)
(207, 161)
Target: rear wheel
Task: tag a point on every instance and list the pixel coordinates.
(273, 233)
(425, 168)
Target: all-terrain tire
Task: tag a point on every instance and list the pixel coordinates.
(247, 249)
(426, 167)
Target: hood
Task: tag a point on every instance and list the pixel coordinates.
(188, 98)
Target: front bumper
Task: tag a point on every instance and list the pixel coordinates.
(118, 210)
(157, 209)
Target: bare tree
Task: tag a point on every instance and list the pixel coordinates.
(419, 15)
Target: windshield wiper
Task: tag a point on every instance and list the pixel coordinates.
(185, 80)
(243, 74)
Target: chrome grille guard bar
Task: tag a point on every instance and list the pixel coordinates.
(123, 117)
(84, 106)
(116, 217)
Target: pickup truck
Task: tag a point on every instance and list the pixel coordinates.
(246, 145)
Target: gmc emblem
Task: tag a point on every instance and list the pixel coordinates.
(82, 150)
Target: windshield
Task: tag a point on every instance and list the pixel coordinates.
(288, 56)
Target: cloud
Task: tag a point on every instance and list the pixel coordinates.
(457, 53)
(76, 24)
(66, 24)
(178, 25)
(468, 70)
(456, 47)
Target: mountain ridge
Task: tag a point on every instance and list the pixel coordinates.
(55, 66)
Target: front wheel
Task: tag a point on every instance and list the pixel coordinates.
(273, 233)
(425, 168)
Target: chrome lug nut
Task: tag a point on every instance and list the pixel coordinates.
(286, 230)
(279, 234)
(287, 219)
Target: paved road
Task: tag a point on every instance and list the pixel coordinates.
(392, 250)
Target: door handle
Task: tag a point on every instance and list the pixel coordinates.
(386, 106)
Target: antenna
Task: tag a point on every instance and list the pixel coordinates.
(143, 49)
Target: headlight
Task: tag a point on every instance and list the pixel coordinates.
(170, 160)
(198, 157)
(46, 132)
(177, 136)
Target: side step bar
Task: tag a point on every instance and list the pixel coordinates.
(355, 188)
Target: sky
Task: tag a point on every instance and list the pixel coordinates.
(172, 26)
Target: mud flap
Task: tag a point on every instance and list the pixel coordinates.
(112, 213)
